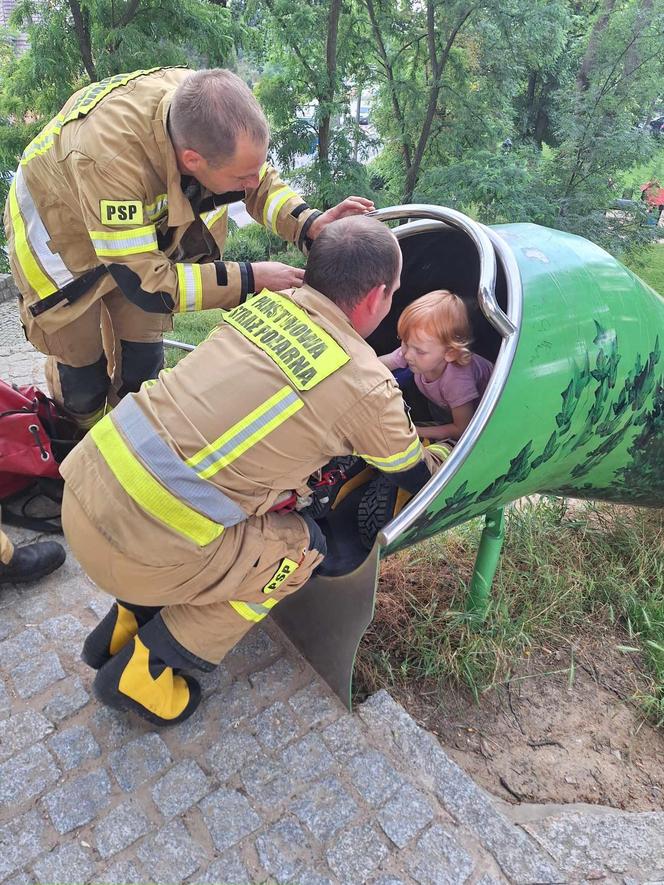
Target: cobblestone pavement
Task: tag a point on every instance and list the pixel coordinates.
(270, 781)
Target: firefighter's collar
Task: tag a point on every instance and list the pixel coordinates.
(179, 208)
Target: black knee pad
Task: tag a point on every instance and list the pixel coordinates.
(317, 539)
(84, 388)
(141, 360)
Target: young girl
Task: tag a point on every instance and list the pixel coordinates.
(435, 337)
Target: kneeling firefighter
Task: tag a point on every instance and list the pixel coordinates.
(169, 499)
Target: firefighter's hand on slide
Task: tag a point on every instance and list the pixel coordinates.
(349, 206)
(276, 276)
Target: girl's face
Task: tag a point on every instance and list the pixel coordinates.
(425, 354)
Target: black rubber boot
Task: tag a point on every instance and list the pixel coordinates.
(142, 677)
(114, 631)
(32, 561)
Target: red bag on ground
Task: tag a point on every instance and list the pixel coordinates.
(35, 436)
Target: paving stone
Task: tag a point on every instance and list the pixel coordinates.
(79, 801)
(9, 623)
(5, 701)
(325, 808)
(21, 840)
(180, 788)
(123, 826)
(100, 605)
(251, 650)
(228, 817)
(621, 842)
(20, 731)
(283, 849)
(229, 868)
(65, 630)
(26, 775)
(36, 674)
(122, 873)
(488, 879)
(314, 705)
(215, 679)
(388, 880)
(438, 859)
(356, 853)
(113, 728)
(276, 726)
(232, 705)
(139, 760)
(21, 879)
(67, 702)
(309, 757)
(232, 752)
(171, 855)
(74, 746)
(28, 644)
(67, 865)
(405, 815)
(33, 609)
(269, 783)
(276, 678)
(345, 738)
(467, 803)
(374, 777)
(312, 877)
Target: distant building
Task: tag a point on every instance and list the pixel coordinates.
(20, 41)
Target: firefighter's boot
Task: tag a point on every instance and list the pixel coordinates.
(114, 631)
(31, 562)
(144, 677)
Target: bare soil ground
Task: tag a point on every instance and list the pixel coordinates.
(541, 739)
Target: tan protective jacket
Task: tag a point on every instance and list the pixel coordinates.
(99, 188)
(279, 388)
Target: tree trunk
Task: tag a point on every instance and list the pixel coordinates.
(330, 88)
(437, 69)
(583, 77)
(82, 29)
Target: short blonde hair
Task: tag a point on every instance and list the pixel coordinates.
(209, 109)
(442, 315)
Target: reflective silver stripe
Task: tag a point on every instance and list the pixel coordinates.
(172, 473)
(37, 235)
(190, 286)
(249, 430)
(144, 239)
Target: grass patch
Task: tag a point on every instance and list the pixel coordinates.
(191, 328)
(564, 570)
(649, 265)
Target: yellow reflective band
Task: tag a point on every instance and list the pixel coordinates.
(111, 244)
(286, 568)
(121, 213)
(247, 612)
(399, 461)
(211, 218)
(274, 204)
(144, 489)
(440, 449)
(44, 141)
(246, 433)
(34, 275)
(190, 287)
(304, 352)
(263, 171)
(157, 207)
(90, 97)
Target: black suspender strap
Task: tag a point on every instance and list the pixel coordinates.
(69, 293)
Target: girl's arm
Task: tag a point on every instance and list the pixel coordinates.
(461, 416)
(393, 360)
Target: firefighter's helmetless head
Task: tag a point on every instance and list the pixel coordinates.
(219, 131)
(356, 262)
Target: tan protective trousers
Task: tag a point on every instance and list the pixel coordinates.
(197, 599)
(100, 330)
(6, 549)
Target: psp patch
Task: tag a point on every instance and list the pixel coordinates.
(115, 213)
(286, 568)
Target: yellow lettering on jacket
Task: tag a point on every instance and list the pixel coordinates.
(304, 352)
(286, 568)
(116, 213)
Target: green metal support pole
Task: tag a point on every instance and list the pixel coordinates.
(486, 563)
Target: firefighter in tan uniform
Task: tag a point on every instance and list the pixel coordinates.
(117, 218)
(168, 500)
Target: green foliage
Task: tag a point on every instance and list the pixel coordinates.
(66, 52)
(252, 243)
